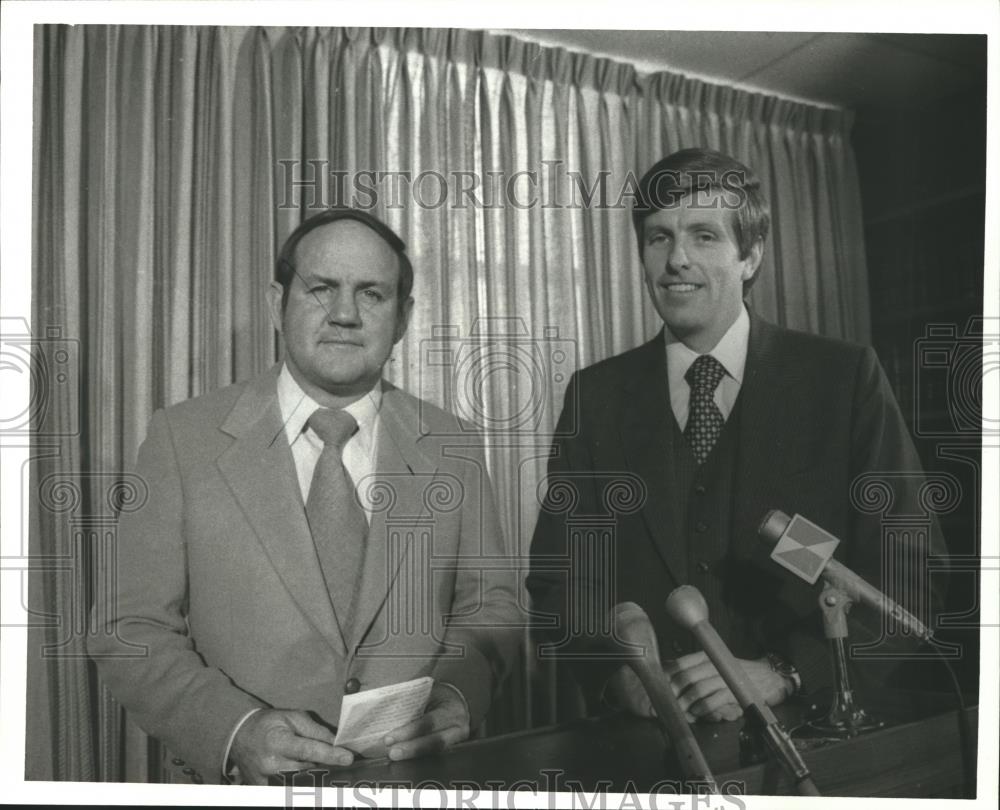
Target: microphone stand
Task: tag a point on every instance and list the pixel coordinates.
(637, 640)
(687, 607)
(675, 727)
(845, 718)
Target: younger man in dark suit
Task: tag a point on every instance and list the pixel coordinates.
(723, 417)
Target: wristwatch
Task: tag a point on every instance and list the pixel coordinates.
(787, 671)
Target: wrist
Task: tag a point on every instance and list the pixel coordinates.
(455, 692)
(790, 675)
(229, 770)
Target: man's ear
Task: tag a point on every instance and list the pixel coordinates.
(403, 319)
(753, 261)
(273, 295)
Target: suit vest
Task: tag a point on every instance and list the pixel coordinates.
(701, 519)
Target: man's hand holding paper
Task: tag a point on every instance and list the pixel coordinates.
(403, 720)
(445, 722)
(275, 740)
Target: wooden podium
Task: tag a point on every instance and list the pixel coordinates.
(919, 757)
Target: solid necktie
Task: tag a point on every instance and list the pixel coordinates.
(705, 422)
(336, 519)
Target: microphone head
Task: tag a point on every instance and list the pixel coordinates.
(797, 544)
(628, 613)
(633, 627)
(687, 607)
(773, 526)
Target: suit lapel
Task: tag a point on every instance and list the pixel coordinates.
(648, 446)
(260, 471)
(764, 427)
(402, 473)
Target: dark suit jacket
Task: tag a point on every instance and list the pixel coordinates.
(221, 606)
(815, 413)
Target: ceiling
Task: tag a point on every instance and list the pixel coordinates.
(858, 71)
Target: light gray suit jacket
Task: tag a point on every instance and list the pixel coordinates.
(220, 606)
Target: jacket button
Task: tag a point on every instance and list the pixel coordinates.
(197, 779)
(177, 761)
(701, 527)
(702, 567)
(700, 489)
(188, 771)
(352, 686)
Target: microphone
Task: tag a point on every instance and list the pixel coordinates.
(806, 550)
(686, 606)
(633, 628)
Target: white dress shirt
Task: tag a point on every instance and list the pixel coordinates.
(359, 451)
(730, 351)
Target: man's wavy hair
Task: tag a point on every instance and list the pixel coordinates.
(691, 170)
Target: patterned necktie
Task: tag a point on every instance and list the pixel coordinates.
(336, 519)
(705, 420)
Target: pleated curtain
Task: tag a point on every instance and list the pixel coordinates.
(169, 164)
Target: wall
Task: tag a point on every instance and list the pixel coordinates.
(922, 169)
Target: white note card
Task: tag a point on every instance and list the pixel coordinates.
(366, 717)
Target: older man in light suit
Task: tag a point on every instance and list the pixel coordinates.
(309, 534)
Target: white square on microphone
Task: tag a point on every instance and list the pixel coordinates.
(804, 549)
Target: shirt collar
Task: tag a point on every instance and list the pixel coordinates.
(297, 406)
(730, 351)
